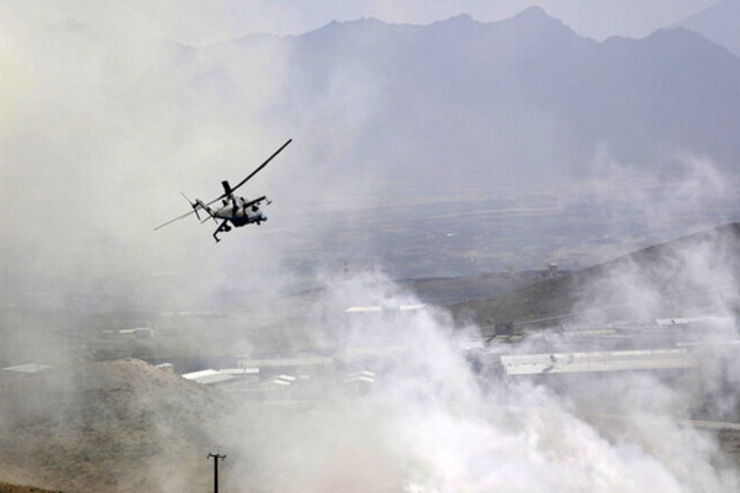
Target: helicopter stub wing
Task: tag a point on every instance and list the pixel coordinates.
(255, 201)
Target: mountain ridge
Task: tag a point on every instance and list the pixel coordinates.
(526, 81)
(513, 102)
(718, 23)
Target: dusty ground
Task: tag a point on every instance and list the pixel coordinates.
(104, 427)
(10, 488)
(127, 426)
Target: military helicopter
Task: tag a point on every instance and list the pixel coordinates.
(234, 211)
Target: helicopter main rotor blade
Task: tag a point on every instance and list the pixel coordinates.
(194, 205)
(251, 174)
(176, 219)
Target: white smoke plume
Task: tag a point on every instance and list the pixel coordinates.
(432, 424)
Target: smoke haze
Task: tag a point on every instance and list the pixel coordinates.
(108, 111)
(427, 424)
(104, 124)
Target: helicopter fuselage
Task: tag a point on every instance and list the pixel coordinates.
(239, 212)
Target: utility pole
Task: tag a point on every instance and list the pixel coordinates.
(215, 457)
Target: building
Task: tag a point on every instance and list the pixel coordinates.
(138, 333)
(25, 369)
(598, 361)
(271, 363)
(208, 377)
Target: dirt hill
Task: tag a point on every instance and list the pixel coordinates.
(114, 426)
(11, 488)
(691, 274)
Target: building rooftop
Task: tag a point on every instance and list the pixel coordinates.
(208, 377)
(378, 308)
(27, 368)
(534, 364)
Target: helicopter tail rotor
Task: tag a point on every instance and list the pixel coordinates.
(194, 205)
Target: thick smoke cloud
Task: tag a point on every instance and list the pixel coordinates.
(628, 208)
(428, 424)
(104, 125)
(680, 190)
(101, 128)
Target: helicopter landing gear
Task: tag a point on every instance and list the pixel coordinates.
(223, 227)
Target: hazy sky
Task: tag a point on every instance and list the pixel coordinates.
(199, 21)
(100, 128)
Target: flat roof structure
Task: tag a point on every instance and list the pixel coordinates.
(365, 376)
(280, 361)
(25, 369)
(279, 380)
(208, 377)
(241, 371)
(378, 308)
(711, 319)
(543, 364)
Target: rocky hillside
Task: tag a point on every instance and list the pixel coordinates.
(116, 426)
(11, 488)
(688, 276)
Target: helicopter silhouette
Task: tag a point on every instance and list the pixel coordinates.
(234, 212)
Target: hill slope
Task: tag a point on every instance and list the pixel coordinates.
(117, 426)
(689, 276)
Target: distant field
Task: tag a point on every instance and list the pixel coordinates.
(449, 247)
(466, 233)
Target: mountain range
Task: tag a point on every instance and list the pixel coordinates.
(520, 100)
(457, 102)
